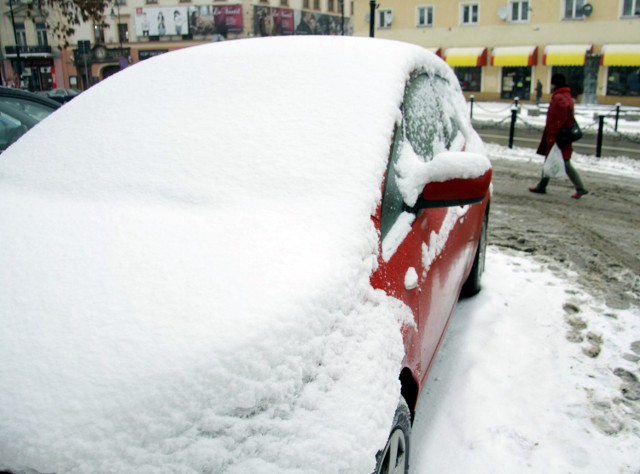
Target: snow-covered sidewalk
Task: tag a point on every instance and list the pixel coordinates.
(530, 379)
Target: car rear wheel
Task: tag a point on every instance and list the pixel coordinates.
(394, 458)
(472, 285)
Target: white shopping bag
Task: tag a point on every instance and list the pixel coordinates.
(554, 164)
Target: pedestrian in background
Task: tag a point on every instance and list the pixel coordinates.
(538, 92)
(559, 115)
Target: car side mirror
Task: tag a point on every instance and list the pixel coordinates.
(455, 179)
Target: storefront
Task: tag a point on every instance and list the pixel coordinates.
(623, 69)
(467, 64)
(570, 61)
(516, 63)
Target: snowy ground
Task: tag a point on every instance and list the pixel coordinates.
(535, 373)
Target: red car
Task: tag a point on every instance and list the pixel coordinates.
(245, 264)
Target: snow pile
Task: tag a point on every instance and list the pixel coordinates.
(195, 296)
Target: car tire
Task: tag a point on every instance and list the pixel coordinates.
(394, 458)
(472, 284)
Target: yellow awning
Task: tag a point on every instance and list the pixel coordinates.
(466, 57)
(566, 54)
(621, 55)
(514, 56)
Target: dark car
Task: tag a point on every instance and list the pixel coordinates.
(61, 95)
(19, 111)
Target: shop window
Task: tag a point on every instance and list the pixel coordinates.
(469, 78)
(519, 11)
(623, 81)
(385, 18)
(573, 9)
(424, 15)
(574, 76)
(516, 82)
(631, 8)
(470, 13)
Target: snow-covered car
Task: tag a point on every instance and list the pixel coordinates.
(245, 264)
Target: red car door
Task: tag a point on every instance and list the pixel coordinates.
(425, 255)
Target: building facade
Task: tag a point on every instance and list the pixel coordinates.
(500, 49)
(136, 30)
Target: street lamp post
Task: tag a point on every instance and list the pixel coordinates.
(15, 36)
(372, 18)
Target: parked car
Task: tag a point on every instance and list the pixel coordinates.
(245, 263)
(62, 94)
(19, 111)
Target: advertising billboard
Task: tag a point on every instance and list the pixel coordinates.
(270, 21)
(161, 21)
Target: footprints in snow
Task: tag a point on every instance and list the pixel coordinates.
(611, 414)
(577, 326)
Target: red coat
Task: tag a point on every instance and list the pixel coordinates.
(560, 114)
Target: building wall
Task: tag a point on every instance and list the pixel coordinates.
(545, 26)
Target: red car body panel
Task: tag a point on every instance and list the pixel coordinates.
(433, 301)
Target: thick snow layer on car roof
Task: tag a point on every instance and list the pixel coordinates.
(184, 277)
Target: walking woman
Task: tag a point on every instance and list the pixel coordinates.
(560, 114)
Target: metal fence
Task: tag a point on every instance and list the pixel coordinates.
(605, 122)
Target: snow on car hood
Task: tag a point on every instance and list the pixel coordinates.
(184, 269)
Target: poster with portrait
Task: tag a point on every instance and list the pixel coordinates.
(273, 21)
(215, 20)
(161, 21)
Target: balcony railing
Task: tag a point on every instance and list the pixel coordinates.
(42, 51)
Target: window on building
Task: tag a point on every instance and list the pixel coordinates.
(470, 13)
(41, 34)
(623, 81)
(469, 78)
(352, 7)
(424, 15)
(316, 4)
(98, 34)
(385, 18)
(631, 8)
(520, 11)
(151, 2)
(284, 3)
(305, 4)
(21, 34)
(330, 5)
(573, 9)
(123, 32)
